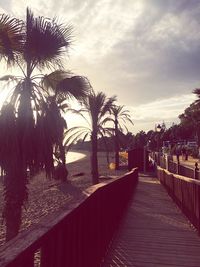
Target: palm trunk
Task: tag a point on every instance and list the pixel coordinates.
(16, 180)
(15, 196)
(15, 185)
(62, 153)
(13, 221)
(116, 146)
(63, 171)
(94, 159)
(198, 137)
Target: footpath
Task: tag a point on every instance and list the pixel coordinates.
(154, 232)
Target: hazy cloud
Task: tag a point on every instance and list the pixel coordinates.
(143, 50)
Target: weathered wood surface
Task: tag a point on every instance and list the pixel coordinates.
(154, 232)
(73, 237)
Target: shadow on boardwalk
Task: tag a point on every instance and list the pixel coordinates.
(154, 232)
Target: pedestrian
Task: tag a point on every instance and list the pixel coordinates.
(199, 153)
(186, 154)
(178, 153)
(183, 153)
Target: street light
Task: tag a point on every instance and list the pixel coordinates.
(158, 130)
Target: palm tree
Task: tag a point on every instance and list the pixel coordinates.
(26, 137)
(121, 116)
(60, 86)
(96, 106)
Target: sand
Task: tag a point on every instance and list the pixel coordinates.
(48, 196)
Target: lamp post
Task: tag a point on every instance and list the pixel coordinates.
(158, 129)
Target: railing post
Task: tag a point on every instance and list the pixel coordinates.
(198, 191)
(26, 261)
(144, 158)
(178, 167)
(167, 162)
(196, 170)
(48, 253)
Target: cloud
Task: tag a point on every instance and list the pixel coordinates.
(160, 54)
(5, 6)
(139, 50)
(145, 116)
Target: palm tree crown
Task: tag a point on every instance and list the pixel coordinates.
(38, 42)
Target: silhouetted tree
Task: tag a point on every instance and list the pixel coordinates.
(121, 116)
(96, 106)
(140, 139)
(26, 143)
(60, 86)
(190, 120)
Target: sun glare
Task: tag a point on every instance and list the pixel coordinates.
(4, 93)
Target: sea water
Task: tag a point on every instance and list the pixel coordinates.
(74, 156)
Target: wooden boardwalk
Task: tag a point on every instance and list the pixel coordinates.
(154, 232)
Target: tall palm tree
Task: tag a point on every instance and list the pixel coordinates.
(26, 136)
(120, 117)
(97, 106)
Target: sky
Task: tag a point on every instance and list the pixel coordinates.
(147, 52)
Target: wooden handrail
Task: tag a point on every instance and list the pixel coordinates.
(185, 192)
(178, 176)
(77, 235)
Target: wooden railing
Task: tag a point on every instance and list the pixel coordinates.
(79, 235)
(185, 192)
(166, 163)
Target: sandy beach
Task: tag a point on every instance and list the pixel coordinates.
(47, 196)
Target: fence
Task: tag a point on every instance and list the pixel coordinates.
(185, 192)
(167, 163)
(78, 236)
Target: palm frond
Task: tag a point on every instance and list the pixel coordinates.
(64, 85)
(50, 81)
(46, 40)
(122, 114)
(11, 38)
(69, 141)
(8, 78)
(125, 119)
(107, 119)
(63, 107)
(75, 86)
(108, 105)
(76, 129)
(94, 103)
(79, 113)
(107, 130)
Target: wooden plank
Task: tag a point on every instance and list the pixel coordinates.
(154, 232)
